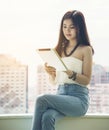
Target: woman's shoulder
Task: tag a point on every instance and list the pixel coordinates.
(86, 49)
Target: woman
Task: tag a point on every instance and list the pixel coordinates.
(72, 97)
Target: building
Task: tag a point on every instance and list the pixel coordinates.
(100, 75)
(99, 90)
(99, 98)
(43, 85)
(13, 85)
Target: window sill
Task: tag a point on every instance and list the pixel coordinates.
(23, 122)
(29, 116)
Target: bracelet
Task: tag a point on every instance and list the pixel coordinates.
(70, 77)
(73, 77)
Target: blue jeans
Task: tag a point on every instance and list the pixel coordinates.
(71, 100)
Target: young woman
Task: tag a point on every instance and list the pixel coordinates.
(72, 97)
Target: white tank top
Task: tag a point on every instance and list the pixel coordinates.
(73, 64)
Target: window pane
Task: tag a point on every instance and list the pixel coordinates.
(28, 25)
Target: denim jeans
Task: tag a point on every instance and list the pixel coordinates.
(71, 100)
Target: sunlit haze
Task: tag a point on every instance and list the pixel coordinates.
(29, 24)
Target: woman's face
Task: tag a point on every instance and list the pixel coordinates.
(69, 29)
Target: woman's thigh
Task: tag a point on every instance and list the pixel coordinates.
(67, 105)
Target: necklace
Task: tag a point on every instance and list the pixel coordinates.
(70, 52)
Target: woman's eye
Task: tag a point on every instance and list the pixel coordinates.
(69, 27)
(64, 26)
(72, 27)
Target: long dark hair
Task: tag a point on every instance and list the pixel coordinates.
(82, 35)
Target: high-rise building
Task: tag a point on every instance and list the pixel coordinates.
(43, 85)
(99, 98)
(99, 90)
(100, 75)
(13, 85)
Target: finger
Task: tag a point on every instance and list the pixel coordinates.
(45, 64)
(51, 68)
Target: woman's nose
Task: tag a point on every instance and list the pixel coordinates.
(68, 29)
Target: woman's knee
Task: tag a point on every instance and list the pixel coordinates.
(48, 117)
(40, 98)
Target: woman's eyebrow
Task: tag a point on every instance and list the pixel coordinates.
(69, 25)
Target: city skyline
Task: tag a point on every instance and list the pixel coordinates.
(18, 97)
(27, 25)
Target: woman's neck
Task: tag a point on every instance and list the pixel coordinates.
(72, 43)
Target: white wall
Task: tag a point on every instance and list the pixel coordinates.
(89, 122)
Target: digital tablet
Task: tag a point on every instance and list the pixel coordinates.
(50, 56)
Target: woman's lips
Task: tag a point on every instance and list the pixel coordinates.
(68, 35)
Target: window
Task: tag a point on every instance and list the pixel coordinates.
(27, 25)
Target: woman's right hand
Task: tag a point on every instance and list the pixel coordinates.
(50, 70)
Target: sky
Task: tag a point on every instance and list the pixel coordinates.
(26, 25)
(29, 24)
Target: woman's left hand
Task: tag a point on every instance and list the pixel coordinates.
(69, 72)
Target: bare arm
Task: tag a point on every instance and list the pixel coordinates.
(85, 77)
